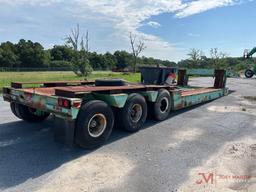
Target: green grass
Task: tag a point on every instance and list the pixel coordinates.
(7, 77)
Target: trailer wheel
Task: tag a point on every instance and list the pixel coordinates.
(249, 73)
(133, 115)
(30, 114)
(94, 124)
(13, 109)
(161, 108)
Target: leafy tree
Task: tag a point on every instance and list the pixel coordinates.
(98, 61)
(32, 54)
(123, 59)
(148, 61)
(8, 55)
(110, 60)
(61, 53)
(81, 63)
(240, 66)
(165, 63)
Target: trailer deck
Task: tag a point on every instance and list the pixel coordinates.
(75, 91)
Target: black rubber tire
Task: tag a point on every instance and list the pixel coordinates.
(161, 108)
(109, 82)
(25, 113)
(13, 109)
(248, 73)
(124, 115)
(86, 113)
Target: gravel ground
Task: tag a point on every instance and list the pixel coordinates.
(211, 147)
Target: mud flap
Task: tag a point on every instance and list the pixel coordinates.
(64, 131)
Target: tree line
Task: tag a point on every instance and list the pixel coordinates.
(28, 54)
(217, 60)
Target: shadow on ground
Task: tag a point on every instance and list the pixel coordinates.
(170, 169)
(28, 150)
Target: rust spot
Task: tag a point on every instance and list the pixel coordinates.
(179, 106)
(40, 91)
(198, 91)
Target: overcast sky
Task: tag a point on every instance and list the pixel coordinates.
(170, 28)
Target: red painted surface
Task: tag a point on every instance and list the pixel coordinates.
(48, 91)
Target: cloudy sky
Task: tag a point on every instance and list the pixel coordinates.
(170, 28)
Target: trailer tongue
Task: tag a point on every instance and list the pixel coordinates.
(85, 112)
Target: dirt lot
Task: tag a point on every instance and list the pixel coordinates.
(211, 147)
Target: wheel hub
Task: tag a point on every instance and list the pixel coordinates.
(97, 125)
(136, 113)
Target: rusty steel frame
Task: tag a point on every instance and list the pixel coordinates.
(46, 98)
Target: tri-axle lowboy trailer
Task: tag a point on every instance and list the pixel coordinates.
(85, 112)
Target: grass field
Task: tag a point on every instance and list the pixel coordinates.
(7, 77)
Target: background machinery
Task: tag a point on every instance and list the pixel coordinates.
(248, 54)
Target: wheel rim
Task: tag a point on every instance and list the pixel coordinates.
(97, 125)
(136, 113)
(164, 105)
